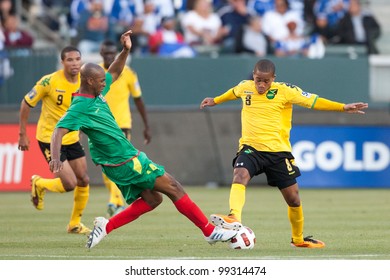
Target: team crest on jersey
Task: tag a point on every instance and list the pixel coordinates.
(45, 81)
(32, 94)
(272, 93)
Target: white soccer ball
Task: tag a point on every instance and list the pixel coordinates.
(245, 239)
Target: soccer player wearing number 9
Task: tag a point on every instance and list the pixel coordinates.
(264, 146)
(55, 91)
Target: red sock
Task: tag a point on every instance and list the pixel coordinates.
(132, 212)
(189, 209)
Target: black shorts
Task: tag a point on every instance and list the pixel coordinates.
(68, 152)
(279, 167)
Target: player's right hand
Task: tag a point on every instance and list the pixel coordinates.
(207, 102)
(23, 143)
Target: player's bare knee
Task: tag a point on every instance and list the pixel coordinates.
(83, 180)
(241, 175)
(152, 198)
(68, 184)
(155, 200)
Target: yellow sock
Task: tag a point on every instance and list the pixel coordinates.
(237, 200)
(80, 195)
(53, 185)
(115, 193)
(295, 215)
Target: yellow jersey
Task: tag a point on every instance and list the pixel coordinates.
(118, 96)
(55, 91)
(266, 118)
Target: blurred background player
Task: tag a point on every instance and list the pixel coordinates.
(265, 143)
(125, 86)
(55, 90)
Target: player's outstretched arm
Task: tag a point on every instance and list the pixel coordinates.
(24, 113)
(355, 108)
(55, 163)
(227, 96)
(116, 67)
(207, 102)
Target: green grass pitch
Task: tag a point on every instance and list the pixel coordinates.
(354, 224)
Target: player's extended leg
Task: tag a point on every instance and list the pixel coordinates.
(295, 216)
(169, 186)
(80, 196)
(147, 202)
(115, 202)
(241, 178)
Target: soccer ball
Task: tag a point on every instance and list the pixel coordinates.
(245, 239)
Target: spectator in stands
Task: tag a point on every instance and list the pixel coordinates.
(293, 44)
(260, 7)
(253, 40)
(309, 16)
(145, 25)
(233, 16)
(94, 27)
(201, 26)
(274, 22)
(15, 37)
(359, 27)
(328, 14)
(297, 6)
(6, 70)
(7, 8)
(167, 41)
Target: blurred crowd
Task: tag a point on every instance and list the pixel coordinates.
(186, 28)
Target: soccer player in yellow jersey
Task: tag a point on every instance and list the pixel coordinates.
(55, 91)
(125, 86)
(264, 146)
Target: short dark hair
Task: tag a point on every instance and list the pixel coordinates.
(265, 65)
(67, 50)
(108, 43)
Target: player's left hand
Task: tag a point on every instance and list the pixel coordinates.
(355, 108)
(55, 165)
(147, 136)
(126, 40)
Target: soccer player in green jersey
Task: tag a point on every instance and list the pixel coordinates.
(264, 146)
(141, 181)
(127, 85)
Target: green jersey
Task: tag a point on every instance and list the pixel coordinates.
(107, 143)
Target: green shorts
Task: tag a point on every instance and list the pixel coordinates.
(135, 176)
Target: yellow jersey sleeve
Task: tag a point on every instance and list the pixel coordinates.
(295, 95)
(328, 105)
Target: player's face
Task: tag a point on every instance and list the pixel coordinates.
(263, 81)
(108, 54)
(72, 63)
(99, 82)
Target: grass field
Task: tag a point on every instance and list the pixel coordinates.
(354, 224)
